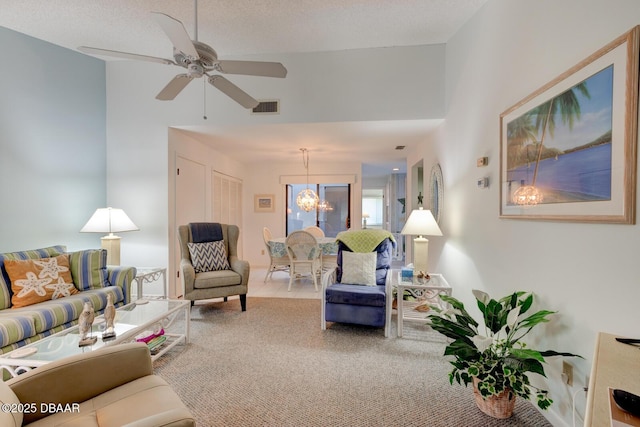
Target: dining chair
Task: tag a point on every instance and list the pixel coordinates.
(304, 251)
(276, 263)
(314, 231)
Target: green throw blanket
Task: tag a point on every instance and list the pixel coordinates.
(364, 240)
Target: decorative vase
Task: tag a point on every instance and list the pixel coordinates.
(498, 406)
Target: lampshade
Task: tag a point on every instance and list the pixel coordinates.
(109, 220)
(421, 223)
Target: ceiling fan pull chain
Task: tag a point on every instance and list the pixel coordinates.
(204, 97)
(195, 8)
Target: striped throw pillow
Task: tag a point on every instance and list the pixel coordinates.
(209, 256)
(89, 269)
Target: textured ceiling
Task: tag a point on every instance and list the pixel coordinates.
(239, 27)
(235, 27)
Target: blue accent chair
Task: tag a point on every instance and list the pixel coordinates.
(359, 304)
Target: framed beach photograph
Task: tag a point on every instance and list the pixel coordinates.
(568, 150)
(264, 203)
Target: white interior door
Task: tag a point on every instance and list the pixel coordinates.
(191, 196)
(226, 201)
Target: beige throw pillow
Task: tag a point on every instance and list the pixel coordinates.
(359, 268)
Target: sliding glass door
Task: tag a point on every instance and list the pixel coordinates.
(331, 215)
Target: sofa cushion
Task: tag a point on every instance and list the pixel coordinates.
(5, 282)
(215, 279)
(20, 324)
(356, 295)
(359, 268)
(41, 279)
(209, 256)
(89, 269)
(49, 314)
(147, 400)
(15, 327)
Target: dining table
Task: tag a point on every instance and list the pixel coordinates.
(328, 245)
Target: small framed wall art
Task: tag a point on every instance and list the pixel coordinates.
(264, 203)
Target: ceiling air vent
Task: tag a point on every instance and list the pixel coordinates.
(267, 107)
(400, 147)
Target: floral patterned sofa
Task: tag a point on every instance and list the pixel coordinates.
(43, 291)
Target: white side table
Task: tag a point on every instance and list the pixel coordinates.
(424, 292)
(150, 275)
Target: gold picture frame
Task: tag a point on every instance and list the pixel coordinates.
(568, 151)
(264, 203)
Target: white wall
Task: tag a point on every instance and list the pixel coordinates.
(587, 272)
(52, 144)
(367, 84)
(265, 179)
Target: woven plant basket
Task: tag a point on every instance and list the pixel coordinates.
(499, 406)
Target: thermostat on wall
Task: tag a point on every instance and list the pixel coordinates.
(483, 182)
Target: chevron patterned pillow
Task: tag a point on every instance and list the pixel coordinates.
(209, 256)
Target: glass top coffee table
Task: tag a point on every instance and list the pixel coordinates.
(131, 320)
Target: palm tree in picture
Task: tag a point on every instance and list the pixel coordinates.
(519, 132)
(567, 106)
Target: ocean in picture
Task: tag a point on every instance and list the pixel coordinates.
(578, 176)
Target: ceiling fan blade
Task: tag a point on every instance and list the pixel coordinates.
(177, 34)
(125, 55)
(233, 91)
(253, 68)
(174, 87)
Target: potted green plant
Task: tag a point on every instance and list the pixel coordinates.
(496, 360)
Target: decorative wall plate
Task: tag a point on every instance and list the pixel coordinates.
(436, 187)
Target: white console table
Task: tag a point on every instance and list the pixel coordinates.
(615, 365)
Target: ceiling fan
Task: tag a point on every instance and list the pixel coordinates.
(200, 60)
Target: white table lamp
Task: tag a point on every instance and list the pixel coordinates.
(421, 223)
(109, 220)
(365, 216)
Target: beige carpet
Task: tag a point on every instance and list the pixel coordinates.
(273, 366)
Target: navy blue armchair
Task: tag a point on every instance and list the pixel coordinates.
(359, 303)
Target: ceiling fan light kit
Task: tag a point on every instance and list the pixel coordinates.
(199, 59)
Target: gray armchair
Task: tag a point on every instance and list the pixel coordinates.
(214, 284)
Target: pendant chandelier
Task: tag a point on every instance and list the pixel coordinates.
(307, 200)
(325, 206)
